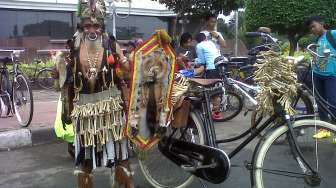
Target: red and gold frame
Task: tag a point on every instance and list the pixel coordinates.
(156, 43)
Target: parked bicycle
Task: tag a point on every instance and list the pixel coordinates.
(247, 93)
(42, 76)
(15, 93)
(238, 72)
(230, 103)
(241, 68)
(286, 155)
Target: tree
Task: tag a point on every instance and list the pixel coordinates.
(226, 29)
(199, 7)
(287, 17)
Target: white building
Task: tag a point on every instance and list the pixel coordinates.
(40, 24)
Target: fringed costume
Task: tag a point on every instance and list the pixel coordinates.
(92, 99)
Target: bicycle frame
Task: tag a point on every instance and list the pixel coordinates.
(4, 70)
(210, 133)
(325, 105)
(322, 102)
(244, 89)
(4, 93)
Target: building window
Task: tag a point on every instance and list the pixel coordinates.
(28, 28)
(137, 26)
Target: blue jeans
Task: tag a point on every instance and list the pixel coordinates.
(326, 87)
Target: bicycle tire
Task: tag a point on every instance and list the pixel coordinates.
(152, 177)
(238, 109)
(18, 98)
(264, 177)
(45, 79)
(303, 96)
(5, 107)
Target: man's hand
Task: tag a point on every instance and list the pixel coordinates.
(221, 40)
(214, 34)
(200, 70)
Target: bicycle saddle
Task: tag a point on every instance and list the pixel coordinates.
(239, 59)
(5, 59)
(205, 82)
(237, 64)
(247, 67)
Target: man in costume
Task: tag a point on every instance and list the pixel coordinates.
(92, 100)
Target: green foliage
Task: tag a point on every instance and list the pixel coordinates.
(306, 40)
(29, 69)
(199, 7)
(287, 17)
(225, 29)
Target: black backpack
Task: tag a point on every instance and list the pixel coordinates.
(331, 39)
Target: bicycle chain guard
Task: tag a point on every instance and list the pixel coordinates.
(205, 162)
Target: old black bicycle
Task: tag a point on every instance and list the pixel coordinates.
(42, 76)
(16, 96)
(287, 154)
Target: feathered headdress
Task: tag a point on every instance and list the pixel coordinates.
(93, 9)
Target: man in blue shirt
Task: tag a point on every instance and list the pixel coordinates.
(325, 68)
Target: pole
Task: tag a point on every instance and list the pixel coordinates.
(114, 32)
(236, 33)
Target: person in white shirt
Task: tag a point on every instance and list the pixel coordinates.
(211, 33)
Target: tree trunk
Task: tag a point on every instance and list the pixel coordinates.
(293, 40)
(173, 28)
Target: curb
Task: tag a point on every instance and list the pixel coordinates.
(27, 137)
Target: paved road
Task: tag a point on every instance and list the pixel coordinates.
(50, 166)
(45, 103)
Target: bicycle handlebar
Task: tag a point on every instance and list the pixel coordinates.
(3, 50)
(253, 34)
(312, 52)
(261, 34)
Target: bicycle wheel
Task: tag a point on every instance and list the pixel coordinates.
(5, 89)
(230, 107)
(22, 100)
(304, 106)
(275, 165)
(45, 79)
(159, 171)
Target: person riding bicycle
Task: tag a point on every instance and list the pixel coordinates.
(324, 69)
(207, 52)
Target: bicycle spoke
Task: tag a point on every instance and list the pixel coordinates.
(280, 163)
(22, 101)
(283, 173)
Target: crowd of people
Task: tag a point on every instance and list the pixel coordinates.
(94, 59)
(198, 53)
(195, 54)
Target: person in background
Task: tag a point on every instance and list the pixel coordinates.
(264, 45)
(324, 70)
(265, 30)
(130, 49)
(185, 52)
(138, 42)
(207, 52)
(211, 33)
